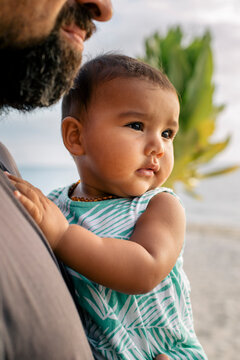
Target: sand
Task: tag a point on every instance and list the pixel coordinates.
(212, 263)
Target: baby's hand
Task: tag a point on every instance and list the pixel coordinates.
(46, 214)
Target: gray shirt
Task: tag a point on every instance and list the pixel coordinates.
(38, 318)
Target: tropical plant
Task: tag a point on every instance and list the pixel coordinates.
(190, 69)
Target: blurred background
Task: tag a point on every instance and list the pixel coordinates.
(206, 35)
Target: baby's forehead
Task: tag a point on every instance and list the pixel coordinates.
(117, 91)
(134, 95)
(120, 82)
(120, 86)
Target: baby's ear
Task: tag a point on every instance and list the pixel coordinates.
(72, 135)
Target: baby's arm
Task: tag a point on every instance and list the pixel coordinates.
(133, 267)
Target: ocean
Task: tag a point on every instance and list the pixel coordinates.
(219, 206)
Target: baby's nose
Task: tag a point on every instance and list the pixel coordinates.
(155, 146)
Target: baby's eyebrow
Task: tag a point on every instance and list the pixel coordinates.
(132, 113)
(173, 123)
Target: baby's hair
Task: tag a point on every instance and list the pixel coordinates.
(104, 68)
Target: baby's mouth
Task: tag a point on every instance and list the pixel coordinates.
(146, 172)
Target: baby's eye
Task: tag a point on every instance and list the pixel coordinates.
(168, 134)
(137, 125)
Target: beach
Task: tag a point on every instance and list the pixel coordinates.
(212, 265)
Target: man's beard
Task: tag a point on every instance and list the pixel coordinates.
(39, 74)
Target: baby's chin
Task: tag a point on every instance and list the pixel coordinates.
(140, 192)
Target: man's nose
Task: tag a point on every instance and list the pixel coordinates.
(155, 146)
(101, 10)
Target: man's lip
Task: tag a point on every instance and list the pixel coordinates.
(75, 34)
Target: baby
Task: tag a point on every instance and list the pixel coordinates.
(122, 234)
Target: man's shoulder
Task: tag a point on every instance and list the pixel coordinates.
(7, 162)
(35, 302)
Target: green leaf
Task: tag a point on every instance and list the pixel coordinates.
(222, 171)
(190, 67)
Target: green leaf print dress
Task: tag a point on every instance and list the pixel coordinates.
(121, 326)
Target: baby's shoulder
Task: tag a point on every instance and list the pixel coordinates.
(146, 197)
(141, 203)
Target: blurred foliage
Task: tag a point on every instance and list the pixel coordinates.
(190, 69)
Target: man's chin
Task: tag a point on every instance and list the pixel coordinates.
(37, 76)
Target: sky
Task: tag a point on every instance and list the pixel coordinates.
(34, 139)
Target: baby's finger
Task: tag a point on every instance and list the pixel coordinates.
(15, 180)
(29, 205)
(13, 177)
(162, 357)
(28, 192)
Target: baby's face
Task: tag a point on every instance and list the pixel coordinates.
(128, 138)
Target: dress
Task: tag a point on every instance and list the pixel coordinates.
(122, 326)
(38, 319)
